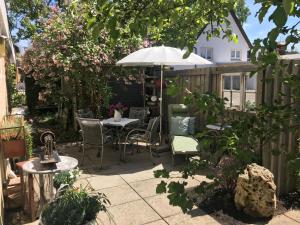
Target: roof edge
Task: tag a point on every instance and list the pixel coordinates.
(238, 23)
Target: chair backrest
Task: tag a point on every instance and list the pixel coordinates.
(85, 113)
(92, 132)
(152, 128)
(138, 113)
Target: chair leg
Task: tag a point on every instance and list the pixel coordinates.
(83, 151)
(151, 155)
(173, 159)
(31, 196)
(101, 157)
(124, 151)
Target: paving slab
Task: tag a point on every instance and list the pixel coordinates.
(195, 216)
(105, 181)
(120, 194)
(293, 214)
(282, 220)
(139, 175)
(131, 213)
(157, 222)
(82, 183)
(160, 203)
(146, 188)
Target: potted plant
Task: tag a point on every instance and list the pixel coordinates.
(15, 135)
(117, 110)
(65, 178)
(74, 207)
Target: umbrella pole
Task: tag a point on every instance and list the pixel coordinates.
(161, 103)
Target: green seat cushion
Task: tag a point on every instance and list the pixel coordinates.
(184, 145)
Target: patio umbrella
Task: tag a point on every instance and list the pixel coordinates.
(161, 56)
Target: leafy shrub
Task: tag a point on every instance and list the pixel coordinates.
(74, 207)
(65, 178)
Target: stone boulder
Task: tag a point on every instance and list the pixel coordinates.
(256, 192)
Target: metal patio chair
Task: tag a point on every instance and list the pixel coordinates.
(139, 113)
(150, 136)
(94, 135)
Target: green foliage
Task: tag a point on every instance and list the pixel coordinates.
(23, 16)
(65, 178)
(70, 65)
(242, 11)
(79, 206)
(174, 23)
(15, 98)
(28, 138)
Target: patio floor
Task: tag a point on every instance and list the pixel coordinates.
(130, 187)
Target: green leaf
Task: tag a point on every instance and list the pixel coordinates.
(279, 16)
(288, 6)
(161, 187)
(161, 173)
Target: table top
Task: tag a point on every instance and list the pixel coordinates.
(35, 167)
(217, 126)
(124, 121)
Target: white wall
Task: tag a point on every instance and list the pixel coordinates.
(222, 47)
(4, 30)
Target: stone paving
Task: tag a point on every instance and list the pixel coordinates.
(130, 187)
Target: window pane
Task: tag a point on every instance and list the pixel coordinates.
(251, 83)
(195, 50)
(227, 83)
(238, 54)
(235, 83)
(232, 54)
(209, 53)
(203, 52)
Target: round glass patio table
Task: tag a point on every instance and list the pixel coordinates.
(34, 166)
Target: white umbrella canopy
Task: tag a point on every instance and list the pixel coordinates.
(161, 56)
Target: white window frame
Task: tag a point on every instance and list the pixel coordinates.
(235, 58)
(243, 91)
(206, 48)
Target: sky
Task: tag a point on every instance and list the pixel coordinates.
(255, 30)
(252, 27)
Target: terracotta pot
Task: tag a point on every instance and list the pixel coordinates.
(14, 148)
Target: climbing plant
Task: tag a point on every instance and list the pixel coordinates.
(70, 64)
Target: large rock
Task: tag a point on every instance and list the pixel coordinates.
(256, 192)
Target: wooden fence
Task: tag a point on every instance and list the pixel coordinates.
(267, 92)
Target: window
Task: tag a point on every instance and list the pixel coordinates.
(195, 50)
(240, 90)
(235, 55)
(206, 53)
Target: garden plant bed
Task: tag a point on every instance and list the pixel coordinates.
(221, 207)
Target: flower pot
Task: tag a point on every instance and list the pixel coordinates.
(14, 148)
(117, 116)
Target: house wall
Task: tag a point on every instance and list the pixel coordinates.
(222, 47)
(3, 87)
(6, 55)
(3, 112)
